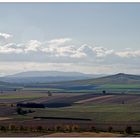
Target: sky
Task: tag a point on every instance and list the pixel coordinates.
(96, 38)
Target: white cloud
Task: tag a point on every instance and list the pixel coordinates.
(59, 41)
(64, 50)
(32, 45)
(5, 35)
(10, 48)
(129, 53)
(102, 52)
(4, 38)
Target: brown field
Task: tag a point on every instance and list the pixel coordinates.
(96, 98)
(112, 99)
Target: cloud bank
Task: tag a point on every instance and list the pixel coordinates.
(65, 51)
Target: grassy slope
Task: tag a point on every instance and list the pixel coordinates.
(98, 113)
(116, 82)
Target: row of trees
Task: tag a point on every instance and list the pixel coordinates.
(57, 128)
(20, 111)
(14, 128)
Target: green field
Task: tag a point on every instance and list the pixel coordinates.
(98, 113)
(43, 89)
(20, 97)
(120, 86)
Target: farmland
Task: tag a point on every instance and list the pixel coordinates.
(100, 110)
(76, 105)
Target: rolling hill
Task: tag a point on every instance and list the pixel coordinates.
(119, 78)
(46, 77)
(118, 82)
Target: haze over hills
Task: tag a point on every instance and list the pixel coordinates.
(46, 77)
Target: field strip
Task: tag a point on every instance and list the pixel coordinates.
(94, 98)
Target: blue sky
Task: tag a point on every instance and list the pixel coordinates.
(84, 37)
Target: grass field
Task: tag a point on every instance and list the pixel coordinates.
(20, 97)
(98, 113)
(125, 88)
(121, 86)
(43, 89)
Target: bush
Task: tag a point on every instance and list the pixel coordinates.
(3, 128)
(104, 92)
(12, 127)
(67, 128)
(128, 130)
(75, 128)
(57, 128)
(40, 128)
(19, 110)
(93, 129)
(21, 128)
(110, 129)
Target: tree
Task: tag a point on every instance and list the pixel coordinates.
(40, 128)
(3, 128)
(19, 110)
(104, 92)
(12, 127)
(93, 129)
(49, 93)
(57, 128)
(128, 130)
(22, 128)
(75, 128)
(110, 129)
(122, 102)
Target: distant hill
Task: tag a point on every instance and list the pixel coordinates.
(48, 74)
(46, 77)
(75, 82)
(119, 78)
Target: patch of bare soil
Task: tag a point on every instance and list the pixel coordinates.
(94, 98)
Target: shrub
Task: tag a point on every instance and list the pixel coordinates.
(57, 128)
(40, 128)
(93, 128)
(128, 130)
(67, 128)
(104, 92)
(75, 128)
(19, 110)
(110, 129)
(3, 128)
(21, 128)
(12, 127)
